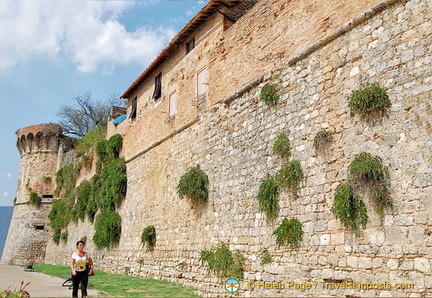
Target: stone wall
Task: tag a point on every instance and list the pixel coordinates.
(28, 232)
(233, 143)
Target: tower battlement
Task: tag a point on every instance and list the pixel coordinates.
(41, 137)
(28, 234)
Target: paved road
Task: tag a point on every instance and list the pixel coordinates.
(41, 285)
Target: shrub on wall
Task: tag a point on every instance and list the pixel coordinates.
(108, 229)
(223, 262)
(282, 145)
(194, 184)
(369, 101)
(104, 192)
(83, 192)
(269, 95)
(265, 257)
(268, 197)
(35, 200)
(369, 170)
(322, 138)
(289, 233)
(148, 236)
(349, 208)
(290, 175)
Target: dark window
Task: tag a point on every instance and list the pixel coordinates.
(39, 227)
(48, 196)
(190, 45)
(132, 114)
(158, 87)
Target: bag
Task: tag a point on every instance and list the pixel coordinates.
(91, 272)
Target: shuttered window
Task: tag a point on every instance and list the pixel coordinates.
(158, 87)
(133, 112)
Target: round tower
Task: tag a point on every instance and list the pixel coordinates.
(28, 233)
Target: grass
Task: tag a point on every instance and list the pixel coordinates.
(122, 285)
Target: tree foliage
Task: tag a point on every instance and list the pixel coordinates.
(77, 120)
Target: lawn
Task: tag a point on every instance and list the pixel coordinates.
(123, 285)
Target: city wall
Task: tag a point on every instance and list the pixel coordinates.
(233, 143)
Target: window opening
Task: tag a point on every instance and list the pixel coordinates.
(132, 115)
(39, 227)
(158, 87)
(190, 45)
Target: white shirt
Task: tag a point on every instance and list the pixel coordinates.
(80, 262)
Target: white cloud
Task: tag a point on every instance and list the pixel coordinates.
(8, 175)
(5, 194)
(87, 32)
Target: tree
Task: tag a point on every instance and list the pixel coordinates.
(77, 120)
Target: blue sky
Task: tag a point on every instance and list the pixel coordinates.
(53, 50)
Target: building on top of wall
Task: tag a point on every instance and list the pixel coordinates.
(175, 87)
(224, 47)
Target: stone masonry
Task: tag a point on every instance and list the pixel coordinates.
(29, 228)
(233, 141)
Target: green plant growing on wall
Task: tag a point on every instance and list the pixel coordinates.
(290, 175)
(282, 145)
(93, 136)
(113, 185)
(349, 208)
(223, 262)
(35, 200)
(64, 236)
(56, 236)
(369, 170)
(66, 178)
(269, 95)
(104, 192)
(148, 237)
(59, 218)
(265, 257)
(108, 229)
(194, 184)
(370, 100)
(83, 193)
(289, 233)
(322, 138)
(268, 197)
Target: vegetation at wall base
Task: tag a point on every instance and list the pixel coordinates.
(290, 175)
(194, 184)
(35, 200)
(223, 262)
(265, 257)
(369, 101)
(148, 236)
(289, 233)
(119, 285)
(322, 138)
(282, 145)
(349, 208)
(268, 197)
(368, 170)
(269, 95)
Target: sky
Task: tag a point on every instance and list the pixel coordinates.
(54, 50)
